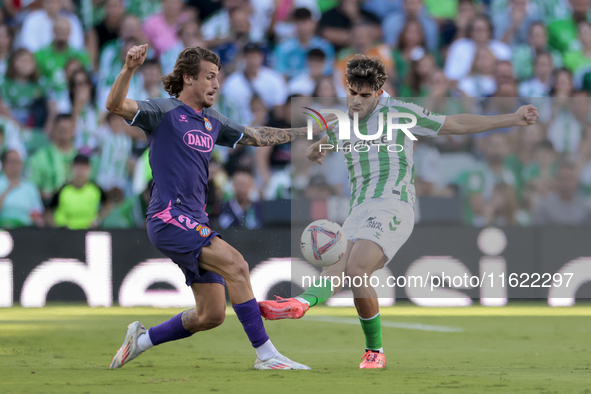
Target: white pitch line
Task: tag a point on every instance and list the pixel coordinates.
(407, 326)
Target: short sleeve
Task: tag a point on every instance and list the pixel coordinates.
(150, 113)
(428, 123)
(230, 132)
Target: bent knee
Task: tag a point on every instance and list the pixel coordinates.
(237, 267)
(213, 320)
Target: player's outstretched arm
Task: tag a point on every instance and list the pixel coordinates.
(472, 124)
(267, 136)
(117, 102)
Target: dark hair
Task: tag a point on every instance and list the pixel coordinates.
(72, 85)
(545, 144)
(151, 62)
(364, 71)
(316, 53)
(301, 14)
(11, 69)
(555, 75)
(323, 78)
(4, 155)
(187, 63)
(81, 159)
(485, 18)
(402, 43)
(61, 117)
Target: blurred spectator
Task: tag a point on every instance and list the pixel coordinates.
(456, 27)
(37, 29)
(411, 47)
(290, 55)
(539, 84)
(230, 49)
(578, 58)
(10, 137)
(255, 79)
(107, 29)
(79, 204)
(362, 42)
(336, 24)
(481, 80)
(115, 151)
(23, 92)
(5, 44)
(85, 113)
(216, 29)
(318, 188)
(503, 207)
(151, 75)
(272, 159)
(564, 129)
(283, 26)
(584, 164)
(131, 213)
(50, 166)
(479, 184)
(190, 36)
(242, 211)
(52, 59)
(306, 81)
(524, 55)
(20, 202)
(161, 29)
(537, 177)
(461, 52)
(512, 25)
(563, 207)
(419, 78)
(562, 34)
(393, 24)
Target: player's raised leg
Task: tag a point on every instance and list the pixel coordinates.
(365, 258)
(318, 293)
(224, 260)
(209, 312)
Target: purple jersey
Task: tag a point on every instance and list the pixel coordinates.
(181, 141)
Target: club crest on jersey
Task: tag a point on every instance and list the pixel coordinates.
(207, 124)
(204, 231)
(183, 118)
(198, 140)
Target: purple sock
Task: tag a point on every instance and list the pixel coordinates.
(170, 330)
(249, 315)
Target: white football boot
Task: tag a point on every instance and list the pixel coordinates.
(278, 361)
(130, 349)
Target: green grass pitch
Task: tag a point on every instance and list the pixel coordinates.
(529, 348)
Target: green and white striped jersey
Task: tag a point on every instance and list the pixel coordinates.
(376, 172)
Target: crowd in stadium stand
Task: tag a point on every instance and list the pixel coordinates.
(67, 162)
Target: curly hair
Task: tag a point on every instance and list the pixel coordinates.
(187, 63)
(363, 71)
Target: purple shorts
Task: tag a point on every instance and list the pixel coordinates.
(180, 238)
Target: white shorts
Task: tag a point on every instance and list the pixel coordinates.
(385, 221)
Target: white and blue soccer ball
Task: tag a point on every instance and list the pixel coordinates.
(323, 243)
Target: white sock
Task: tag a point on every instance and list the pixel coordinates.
(266, 351)
(300, 299)
(144, 342)
(380, 350)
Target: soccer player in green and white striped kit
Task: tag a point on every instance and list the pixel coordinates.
(382, 193)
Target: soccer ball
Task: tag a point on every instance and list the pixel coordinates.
(323, 243)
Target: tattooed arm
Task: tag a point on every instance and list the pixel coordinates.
(266, 136)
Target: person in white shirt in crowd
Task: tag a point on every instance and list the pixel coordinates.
(540, 84)
(481, 80)
(255, 79)
(461, 52)
(37, 29)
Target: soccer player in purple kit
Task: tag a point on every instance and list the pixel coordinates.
(182, 131)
